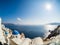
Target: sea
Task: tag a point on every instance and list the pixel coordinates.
(30, 31)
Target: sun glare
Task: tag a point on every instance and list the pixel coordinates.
(48, 7)
(50, 27)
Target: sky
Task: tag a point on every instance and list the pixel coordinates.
(30, 12)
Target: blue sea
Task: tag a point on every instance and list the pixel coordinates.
(31, 31)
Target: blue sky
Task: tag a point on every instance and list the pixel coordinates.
(30, 12)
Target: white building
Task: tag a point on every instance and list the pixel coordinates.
(1, 31)
(2, 38)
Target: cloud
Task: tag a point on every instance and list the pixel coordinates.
(19, 19)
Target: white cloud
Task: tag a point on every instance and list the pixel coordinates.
(19, 19)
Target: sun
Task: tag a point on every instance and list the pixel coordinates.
(48, 7)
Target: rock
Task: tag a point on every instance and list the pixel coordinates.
(55, 32)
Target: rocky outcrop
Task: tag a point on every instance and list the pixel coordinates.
(53, 33)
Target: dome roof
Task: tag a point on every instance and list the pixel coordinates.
(15, 32)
